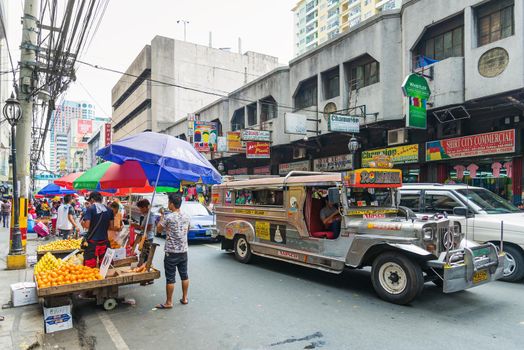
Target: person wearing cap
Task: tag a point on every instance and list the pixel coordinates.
(98, 220)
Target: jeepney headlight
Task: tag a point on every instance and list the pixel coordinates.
(428, 234)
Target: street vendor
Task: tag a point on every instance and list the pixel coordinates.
(98, 220)
(144, 207)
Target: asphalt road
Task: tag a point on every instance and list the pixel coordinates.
(275, 305)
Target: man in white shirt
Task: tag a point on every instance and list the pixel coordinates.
(65, 220)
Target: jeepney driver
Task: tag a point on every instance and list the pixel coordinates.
(330, 217)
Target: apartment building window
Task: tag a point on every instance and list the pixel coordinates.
(354, 11)
(252, 114)
(364, 74)
(311, 16)
(311, 5)
(306, 95)
(331, 83)
(333, 12)
(448, 44)
(268, 109)
(311, 26)
(495, 21)
(238, 122)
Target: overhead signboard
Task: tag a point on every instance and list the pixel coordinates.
(416, 89)
(334, 163)
(497, 142)
(295, 123)
(107, 133)
(256, 135)
(285, 168)
(234, 142)
(205, 136)
(397, 155)
(47, 176)
(239, 171)
(255, 149)
(343, 123)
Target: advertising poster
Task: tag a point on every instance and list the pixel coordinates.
(234, 142)
(497, 142)
(416, 89)
(398, 155)
(84, 127)
(334, 163)
(256, 135)
(221, 144)
(257, 150)
(205, 136)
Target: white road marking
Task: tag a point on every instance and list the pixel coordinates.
(212, 246)
(117, 339)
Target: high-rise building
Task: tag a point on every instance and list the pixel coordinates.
(72, 125)
(317, 21)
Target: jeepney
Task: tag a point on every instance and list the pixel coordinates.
(279, 218)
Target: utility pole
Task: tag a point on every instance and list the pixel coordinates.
(185, 23)
(28, 49)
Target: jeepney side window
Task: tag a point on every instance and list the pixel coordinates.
(244, 197)
(269, 197)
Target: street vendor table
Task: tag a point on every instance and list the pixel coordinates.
(59, 254)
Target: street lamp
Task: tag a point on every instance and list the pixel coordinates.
(13, 114)
(353, 144)
(185, 24)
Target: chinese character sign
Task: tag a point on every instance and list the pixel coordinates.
(205, 136)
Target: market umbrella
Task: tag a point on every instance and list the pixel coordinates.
(54, 190)
(175, 156)
(172, 155)
(67, 181)
(129, 175)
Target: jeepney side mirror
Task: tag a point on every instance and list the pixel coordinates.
(334, 195)
(463, 211)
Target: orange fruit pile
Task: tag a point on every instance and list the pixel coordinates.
(67, 274)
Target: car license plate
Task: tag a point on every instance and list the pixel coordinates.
(480, 276)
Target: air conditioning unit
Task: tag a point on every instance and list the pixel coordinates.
(397, 136)
(299, 153)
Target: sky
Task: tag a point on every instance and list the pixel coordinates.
(265, 26)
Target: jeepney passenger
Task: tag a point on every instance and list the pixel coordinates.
(330, 217)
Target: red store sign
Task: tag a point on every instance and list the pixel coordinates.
(257, 149)
(262, 170)
(107, 133)
(497, 142)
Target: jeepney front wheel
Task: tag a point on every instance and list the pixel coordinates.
(396, 278)
(242, 249)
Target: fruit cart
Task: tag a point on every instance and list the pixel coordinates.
(104, 291)
(59, 248)
(57, 253)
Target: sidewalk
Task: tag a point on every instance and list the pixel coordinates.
(22, 326)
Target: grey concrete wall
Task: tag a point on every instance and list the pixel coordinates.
(447, 87)
(162, 70)
(417, 15)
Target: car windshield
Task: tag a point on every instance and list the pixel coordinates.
(194, 209)
(488, 201)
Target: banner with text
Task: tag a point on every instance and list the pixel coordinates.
(255, 149)
(256, 135)
(285, 168)
(334, 163)
(398, 155)
(234, 142)
(471, 146)
(343, 123)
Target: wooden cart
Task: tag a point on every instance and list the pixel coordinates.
(59, 254)
(104, 291)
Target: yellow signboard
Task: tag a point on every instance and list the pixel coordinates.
(398, 155)
(250, 212)
(262, 230)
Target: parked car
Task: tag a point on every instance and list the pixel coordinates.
(202, 224)
(479, 213)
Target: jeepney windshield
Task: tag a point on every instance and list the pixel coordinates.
(366, 197)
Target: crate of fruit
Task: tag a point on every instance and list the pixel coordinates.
(59, 249)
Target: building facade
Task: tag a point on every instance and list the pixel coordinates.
(171, 78)
(317, 21)
(471, 55)
(72, 125)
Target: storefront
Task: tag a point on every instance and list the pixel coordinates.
(405, 158)
(489, 160)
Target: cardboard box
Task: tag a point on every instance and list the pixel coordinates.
(23, 293)
(58, 318)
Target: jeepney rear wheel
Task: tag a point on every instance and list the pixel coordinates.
(242, 249)
(396, 278)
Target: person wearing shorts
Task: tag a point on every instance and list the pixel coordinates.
(176, 226)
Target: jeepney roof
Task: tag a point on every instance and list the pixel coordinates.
(329, 179)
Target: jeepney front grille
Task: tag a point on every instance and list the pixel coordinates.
(447, 238)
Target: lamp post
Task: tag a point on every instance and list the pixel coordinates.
(185, 24)
(13, 114)
(353, 146)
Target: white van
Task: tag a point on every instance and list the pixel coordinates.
(481, 214)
